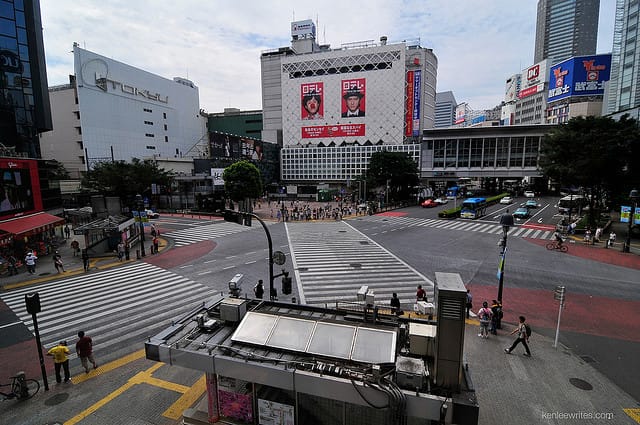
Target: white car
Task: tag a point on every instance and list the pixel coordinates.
(529, 194)
(152, 214)
(506, 200)
(442, 200)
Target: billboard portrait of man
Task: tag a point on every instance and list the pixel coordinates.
(353, 96)
(311, 97)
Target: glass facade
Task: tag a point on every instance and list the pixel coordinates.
(24, 99)
(337, 164)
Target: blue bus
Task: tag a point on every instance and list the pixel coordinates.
(473, 208)
(452, 192)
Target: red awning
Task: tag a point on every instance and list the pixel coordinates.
(36, 223)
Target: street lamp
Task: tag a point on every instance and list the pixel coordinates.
(140, 206)
(506, 220)
(633, 195)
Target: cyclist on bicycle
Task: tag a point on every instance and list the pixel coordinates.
(558, 238)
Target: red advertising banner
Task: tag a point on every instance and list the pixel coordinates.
(353, 98)
(341, 130)
(408, 107)
(311, 107)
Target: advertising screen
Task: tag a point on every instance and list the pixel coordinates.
(412, 108)
(353, 98)
(532, 79)
(311, 101)
(224, 145)
(19, 187)
(579, 76)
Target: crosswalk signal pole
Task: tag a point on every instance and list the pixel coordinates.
(558, 294)
(32, 302)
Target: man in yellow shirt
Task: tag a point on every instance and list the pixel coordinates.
(60, 360)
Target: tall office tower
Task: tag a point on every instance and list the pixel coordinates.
(445, 109)
(566, 28)
(24, 98)
(623, 92)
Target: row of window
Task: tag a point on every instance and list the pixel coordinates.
(164, 114)
(490, 152)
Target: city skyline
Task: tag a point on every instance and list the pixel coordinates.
(218, 46)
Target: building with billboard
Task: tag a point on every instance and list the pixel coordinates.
(24, 99)
(330, 109)
(531, 100)
(119, 112)
(576, 87)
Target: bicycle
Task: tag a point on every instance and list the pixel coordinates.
(21, 387)
(551, 246)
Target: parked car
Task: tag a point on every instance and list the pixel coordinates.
(152, 214)
(506, 200)
(429, 203)
(442, 200)
(521, 213)
(531, 204)
(529, 194)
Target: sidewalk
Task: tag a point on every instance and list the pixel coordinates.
(554, 386)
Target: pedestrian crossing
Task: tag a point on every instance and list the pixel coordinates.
(462, 225)
(196, 234)
(118, 307)
(334, 260)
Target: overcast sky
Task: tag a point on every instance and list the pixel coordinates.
(217, 44)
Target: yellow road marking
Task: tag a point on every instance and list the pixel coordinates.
(633, 414)
(109, 366)
(99, 404)
(187, 399)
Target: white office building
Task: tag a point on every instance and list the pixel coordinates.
(114, 111)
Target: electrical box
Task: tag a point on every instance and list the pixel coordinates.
(425, 308)
(370, 298)
(362, 293)
(411, 373)
(233, 309)
(422, 339)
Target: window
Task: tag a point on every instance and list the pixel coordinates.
(164, 115)
(79, 130)
(150, 135)
(165, 127)
(151, 147)
(148, 122)
(77, 114)
(166, 139)
(147, 110)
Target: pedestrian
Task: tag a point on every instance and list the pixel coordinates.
(395, 304)
(612, 239)
(13, 262)
(60, 360)
(596, 238)
(126, 251)
(67, 232)
(85, 259)
(153, 230)
(496, 319)
(84, 348)
(156, 245)
(469, 302)
(57, 262)
(421, 294)
(523, 337)
(587, 236)
(75, 247)
(120, 251)
(258, 290)
(30, 261)
(485, 316)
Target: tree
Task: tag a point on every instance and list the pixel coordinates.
(123, 179)
(395, 170)
(242, 181)
(598, 154)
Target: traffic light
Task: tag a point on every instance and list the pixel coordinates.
(33, 303)
(233, 216)
(286, 284)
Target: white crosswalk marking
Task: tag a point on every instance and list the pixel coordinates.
(219, 229)
(115, 307)
(467, 226)
(334, 260)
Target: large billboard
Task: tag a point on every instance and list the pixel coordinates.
(229, 146)
(353, 95)
(19, 187)
(311, 101)
(579, 76)
(533, 79)
(303, 28)
(412, 108)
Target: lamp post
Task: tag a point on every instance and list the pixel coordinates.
(633, 195)
(506, 220)
(140, 206)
